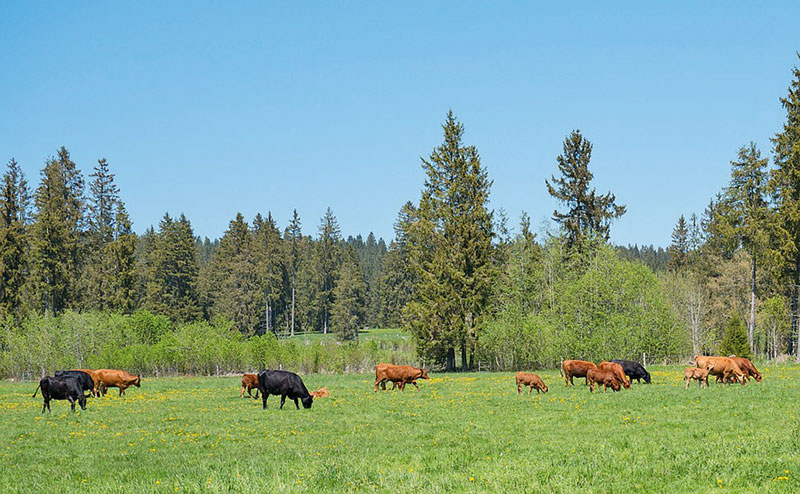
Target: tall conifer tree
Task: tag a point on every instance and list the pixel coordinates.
(328, 260)
(14, 204)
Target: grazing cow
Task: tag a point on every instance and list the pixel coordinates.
(721, 366)
(399, 374)
(618, 372)
(112, 378)
(701, 375)
(284, 383)
(320, 393)
(602, 376)
(747, 367)
(575, 368)
(250, 382)
(84, 378)
(532, 380)
(61, 388)
(634, 370)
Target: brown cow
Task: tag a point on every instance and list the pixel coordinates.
(722, 366)
(112, 378)
(250, 382)
(532, 380)
(701, 375)
(401, 374)
(602, 376)
(617, 370)
(95, 380)
(320, 393)
(747, 367)
(575, 368)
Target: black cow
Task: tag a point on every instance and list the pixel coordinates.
(634, 370)
(61, 388)
(278, 382)
(83, 378)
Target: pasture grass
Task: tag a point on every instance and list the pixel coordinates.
(462, 433)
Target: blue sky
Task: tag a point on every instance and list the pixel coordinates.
(213, 108)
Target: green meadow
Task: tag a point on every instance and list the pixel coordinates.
(461, 433)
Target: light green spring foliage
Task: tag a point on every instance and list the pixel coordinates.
(461, 433)
(600, 308)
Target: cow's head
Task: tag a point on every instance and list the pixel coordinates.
(614, 383)
(307, 401)
(544, 387)
(138, 381)
(647, 377)
(423, 374)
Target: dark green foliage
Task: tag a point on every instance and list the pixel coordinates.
(734, 340)
(294, 241)
(654, 258)
(450, 250)
(55, 236)
(347, 313)
(14, 204)
(679, 250)
(271, 268)
(588, 214)
(328, 260)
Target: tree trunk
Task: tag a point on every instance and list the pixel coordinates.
(292, 333)
(752, 324)
(793, 326)
(450, 366)
(464, 367)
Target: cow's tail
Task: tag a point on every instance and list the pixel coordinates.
(37, 390)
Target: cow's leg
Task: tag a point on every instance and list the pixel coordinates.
(264, 397)
(242, 394)
(296, 404)
(519, 387)
(72, 403)
(83, 401)
(283, 400)
(415, 384)
(44, 406)
(256, 394)
(122, 389)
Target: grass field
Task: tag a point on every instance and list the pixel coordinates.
(462, 433)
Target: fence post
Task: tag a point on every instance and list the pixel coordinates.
(479, 365)
(644, 360)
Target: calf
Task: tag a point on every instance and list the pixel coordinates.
(602, 376)
(575, 368)
(618, 372)
(284, 383)
(61, 388)
(85, 380)
(532, 380)
(250, 382)
(725, 367)
(398, 374)
(701, 375)
(320, 393)
(634, 370)
(113, 378)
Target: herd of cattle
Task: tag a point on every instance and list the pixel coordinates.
(615, 374)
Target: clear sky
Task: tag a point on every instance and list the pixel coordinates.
(209, 108)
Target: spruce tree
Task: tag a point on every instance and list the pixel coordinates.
(588, 214)
(450, 249)
(785, 185)
(121, 259)
(347, 312)
(14, 204)
(679, 250)
(734, 340)
(328, 260)
(55, 236)
(294, 239)
(270, 261)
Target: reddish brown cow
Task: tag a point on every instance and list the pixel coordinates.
(250, 382)
(113, 378)
(95, 380)
(725, 367)
(617, 370)
(401, 374)
(701, 375)
(320, 393)
(575, 368)
(532, 380)
(602, 376)
(747, 367)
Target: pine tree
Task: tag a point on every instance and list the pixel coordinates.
(172, 279)
(679, 250)
(233, 279)
(450, 248)
(347, 312)
(785, 185)
(588, 214)
(328, 260)
(734, 340)
(270, 261)
(121, 259)
(746, 196)
(55, 237)
(14, 204)
(294, 239)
